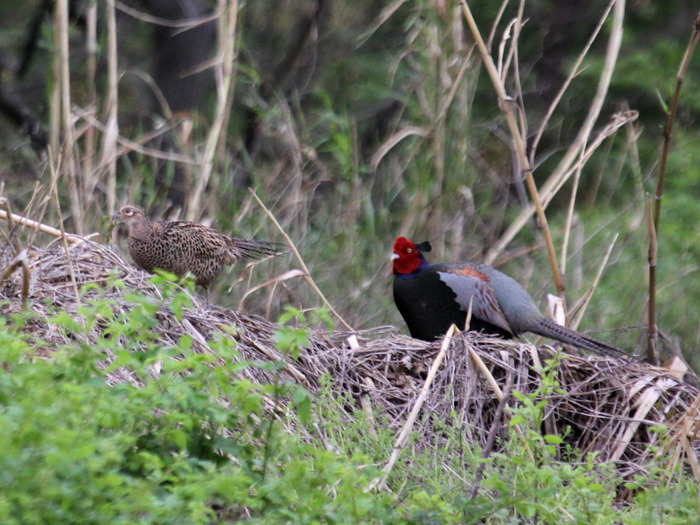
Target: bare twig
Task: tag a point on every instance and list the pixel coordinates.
(569, 220)
(5, 203)
(671, 117)
(496, 23)
(507, 104)
(366, 403)
(386, 13)
(652, 351)
(575, 71)
(581, 310)
(44, 228)
(652, 333)
(564, 169)
(487, 374)
(286, 275)
(91, 48)
(20, 255)
(68, 139)
(224, 90)
(552, 186)
(395, 139)
(128, 145)
(611, 54)
(64, 240)
(617, 121)
(300, 260)
(682, 434)
(402, 438)
(109, 144)
(648, 397)
(493, 432)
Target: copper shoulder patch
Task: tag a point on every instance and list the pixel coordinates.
(469, 271)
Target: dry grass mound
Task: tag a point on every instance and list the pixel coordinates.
(605, 405)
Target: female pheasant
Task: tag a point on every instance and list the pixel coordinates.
(431, 297)
(182, 247)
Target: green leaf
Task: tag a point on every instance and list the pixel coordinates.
(553, 439)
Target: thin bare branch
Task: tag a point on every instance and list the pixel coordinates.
(402, 438)
(20, 260)
(653, 225)
(224, 90)
(91, 48)
(109, 144)
(44, 228)
(581, 310)
(68, 139)
(145, 17)
(575, 70)
(385, 15)
(563, 170)
(300, 260)
(507, 106)
(652, 332)
(64, 240)
(671, 117)
(552, 186)
(393, 140)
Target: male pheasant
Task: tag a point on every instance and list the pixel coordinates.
(431, 297)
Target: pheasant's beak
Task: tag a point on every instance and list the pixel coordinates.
(394, 256)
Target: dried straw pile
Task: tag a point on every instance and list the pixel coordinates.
(608, 406)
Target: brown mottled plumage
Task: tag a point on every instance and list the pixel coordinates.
(182, 247)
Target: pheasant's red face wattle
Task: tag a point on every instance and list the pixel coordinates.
(406, 257)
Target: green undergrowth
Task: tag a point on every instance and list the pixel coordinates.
(190, 444)
(193, 443)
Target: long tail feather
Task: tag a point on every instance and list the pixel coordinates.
(561, 333)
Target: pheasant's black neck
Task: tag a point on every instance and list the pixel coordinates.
(424, 265)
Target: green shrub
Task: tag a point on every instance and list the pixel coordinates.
(75, 450)
(193, 443)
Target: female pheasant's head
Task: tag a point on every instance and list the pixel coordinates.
(408, 256)
(138, 224)
(129, 214)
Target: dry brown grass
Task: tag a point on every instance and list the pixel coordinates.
(606, 405)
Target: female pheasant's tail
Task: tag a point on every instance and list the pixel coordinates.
(254, 249)
(548, 328)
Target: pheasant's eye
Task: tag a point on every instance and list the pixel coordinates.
(409, 250)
